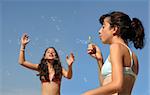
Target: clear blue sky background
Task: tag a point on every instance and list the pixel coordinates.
(65, 25)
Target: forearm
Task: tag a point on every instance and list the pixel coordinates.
(104, 90)
(69, 72)
(100, 63)
(25, 63)
(22, 55)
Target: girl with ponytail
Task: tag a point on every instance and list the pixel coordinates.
(118, 73)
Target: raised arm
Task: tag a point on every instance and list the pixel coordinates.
(21, 60)
(95, 52)
(68, 73)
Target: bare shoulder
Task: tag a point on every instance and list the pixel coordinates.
(116, 51)
(115, 47)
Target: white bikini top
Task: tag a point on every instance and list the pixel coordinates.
(107, 67)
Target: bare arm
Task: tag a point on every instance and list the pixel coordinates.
(68, 73)
(21, 60)
(115, 85)
(95, 52)
(100, 62)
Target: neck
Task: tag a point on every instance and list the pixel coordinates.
(118, 40)
(49, 61)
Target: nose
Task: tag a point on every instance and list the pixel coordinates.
(99, 32)
(51, 53)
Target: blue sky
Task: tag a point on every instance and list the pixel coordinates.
(65, 25)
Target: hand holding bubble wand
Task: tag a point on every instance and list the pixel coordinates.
(91, 47)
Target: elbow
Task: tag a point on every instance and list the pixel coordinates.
(69, 77)
(118, 87)
(20, 62)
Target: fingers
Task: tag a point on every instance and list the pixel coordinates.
(67, 57)
(71, 54)
(25, 35)
(91, 49)
(25, 39)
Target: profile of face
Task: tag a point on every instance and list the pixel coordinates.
(50, 54)
(106, 32)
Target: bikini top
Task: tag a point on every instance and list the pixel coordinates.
(107, 67)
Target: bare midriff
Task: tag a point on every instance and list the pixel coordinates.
(50, 88)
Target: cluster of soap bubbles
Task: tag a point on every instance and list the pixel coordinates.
(55, 20)
(83, 42)
(61, 52)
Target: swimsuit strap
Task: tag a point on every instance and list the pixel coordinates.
(129, 52)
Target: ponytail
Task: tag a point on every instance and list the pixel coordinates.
(129, 30)
(138, 39)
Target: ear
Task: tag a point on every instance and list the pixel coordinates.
(115, 30)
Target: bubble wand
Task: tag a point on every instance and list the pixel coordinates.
(93, 48)
(90, 40)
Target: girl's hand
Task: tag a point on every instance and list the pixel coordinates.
(70, 59)
(94, 51)
(24, 39)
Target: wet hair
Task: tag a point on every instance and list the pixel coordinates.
(43, 67)
(129, 30)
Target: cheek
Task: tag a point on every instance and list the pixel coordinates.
(55, 56)
(104, 35)
(45, 56)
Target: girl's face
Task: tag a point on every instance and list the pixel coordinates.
(106, 32)
(50, 54)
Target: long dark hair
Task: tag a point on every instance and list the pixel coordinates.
(43, 67)
(129, 30)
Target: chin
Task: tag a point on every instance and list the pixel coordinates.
(104, 42)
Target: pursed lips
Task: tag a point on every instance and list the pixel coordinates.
(100, 36)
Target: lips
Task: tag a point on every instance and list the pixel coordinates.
(100, 36)
(51, 56)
